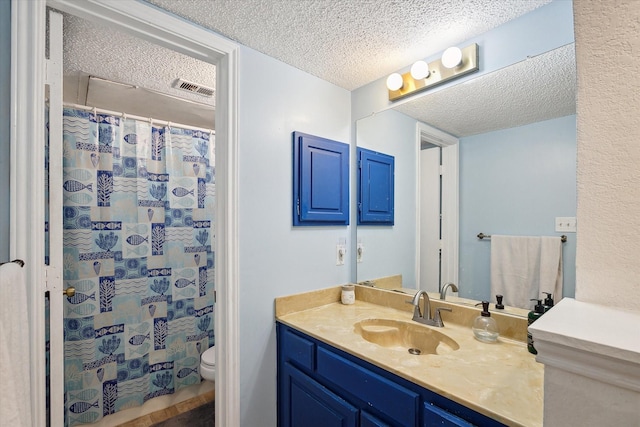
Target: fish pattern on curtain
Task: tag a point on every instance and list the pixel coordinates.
(138, 249)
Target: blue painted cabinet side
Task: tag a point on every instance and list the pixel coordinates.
(320, 181)
(375, 188)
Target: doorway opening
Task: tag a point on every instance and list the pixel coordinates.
(437, 220)
(149, 23)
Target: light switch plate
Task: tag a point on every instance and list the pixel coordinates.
(566, 224)
(340, 254)
(360, 252)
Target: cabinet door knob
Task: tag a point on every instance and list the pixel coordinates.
(69, 292)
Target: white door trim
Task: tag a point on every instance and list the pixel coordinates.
(27, 176)
(27, 213)
(54, 270)
(450, 189)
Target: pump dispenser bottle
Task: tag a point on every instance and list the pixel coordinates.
(484, 326)
(534, 315)
(548, 301)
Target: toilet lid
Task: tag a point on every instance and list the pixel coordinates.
(209, 356)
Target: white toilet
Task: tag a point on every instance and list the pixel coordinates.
(208, 364)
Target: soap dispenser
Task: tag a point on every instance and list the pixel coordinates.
(548, 301)
(485, 327)
(534, 315)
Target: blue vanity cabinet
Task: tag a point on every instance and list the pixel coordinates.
(320, 181)
(375, 188)
(321, 386)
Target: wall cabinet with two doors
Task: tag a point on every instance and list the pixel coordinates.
(321, 183)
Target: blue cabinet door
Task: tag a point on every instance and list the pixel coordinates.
(309, 404)
(320, 181)
(375, 188)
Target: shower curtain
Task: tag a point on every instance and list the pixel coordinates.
(138, 249)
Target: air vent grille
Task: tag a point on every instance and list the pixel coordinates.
(194, 88)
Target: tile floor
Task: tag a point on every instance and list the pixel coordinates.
(195, 412)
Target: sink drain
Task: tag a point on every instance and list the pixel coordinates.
(415, 351)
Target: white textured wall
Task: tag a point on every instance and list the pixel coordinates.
(608, 171)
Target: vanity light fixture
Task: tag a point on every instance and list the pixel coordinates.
(420, 70)
(394, 81)
(452, 57)
(454, 63)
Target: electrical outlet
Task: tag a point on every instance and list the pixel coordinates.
(341, 251)
(359, 252)
(566, 224)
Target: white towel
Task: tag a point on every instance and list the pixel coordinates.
(15, 390)
(524, 267)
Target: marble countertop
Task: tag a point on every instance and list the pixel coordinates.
(501, 380)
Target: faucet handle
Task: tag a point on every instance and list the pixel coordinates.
(438, 319)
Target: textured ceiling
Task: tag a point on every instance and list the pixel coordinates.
(96, 50)
(537, 89)
(349, 42)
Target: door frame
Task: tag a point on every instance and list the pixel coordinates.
(28, 19)
(449, 193)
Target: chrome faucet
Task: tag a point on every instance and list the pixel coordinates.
(425, 318)
(443, 292)
(419, 316)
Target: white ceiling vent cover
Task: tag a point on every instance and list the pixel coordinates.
(194, 88)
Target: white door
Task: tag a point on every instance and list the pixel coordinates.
(437, 196)
(430, 218)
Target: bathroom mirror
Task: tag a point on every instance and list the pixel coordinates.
(516, 132)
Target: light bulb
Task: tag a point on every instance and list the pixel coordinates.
(394, 81)
(420, 70)
(452, 57)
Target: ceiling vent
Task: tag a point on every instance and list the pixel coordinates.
(194, 88)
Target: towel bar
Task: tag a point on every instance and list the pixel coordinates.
(482, 236)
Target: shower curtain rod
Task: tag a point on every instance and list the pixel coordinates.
(132, 116)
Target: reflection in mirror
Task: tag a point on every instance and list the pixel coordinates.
(517, 154)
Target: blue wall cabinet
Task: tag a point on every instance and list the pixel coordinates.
(375, 187)
(320, 181)
(321, 386)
